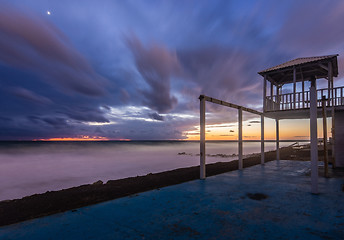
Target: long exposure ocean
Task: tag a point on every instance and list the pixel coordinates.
(28, 168)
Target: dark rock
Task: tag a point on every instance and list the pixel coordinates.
(99, 182)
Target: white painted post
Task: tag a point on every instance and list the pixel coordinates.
(240, 138)
(264, 94)
(294, 81)
(314, 137)
(329, 84)
(330, 79)
(323, 105)
(278, 102)
(303, 93)
(277, 140)
(202, 137)
(262, 140)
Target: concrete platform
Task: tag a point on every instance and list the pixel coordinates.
(221, 207)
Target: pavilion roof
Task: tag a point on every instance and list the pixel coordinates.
(305, 68)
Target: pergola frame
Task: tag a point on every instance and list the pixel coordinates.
(203, 99)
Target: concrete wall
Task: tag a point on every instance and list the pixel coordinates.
(339, 138)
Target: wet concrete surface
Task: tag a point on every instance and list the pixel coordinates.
(260, 202)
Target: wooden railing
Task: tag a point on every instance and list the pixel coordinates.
(302, 100)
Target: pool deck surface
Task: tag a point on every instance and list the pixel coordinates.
(220, 207)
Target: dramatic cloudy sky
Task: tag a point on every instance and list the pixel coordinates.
(134, 69)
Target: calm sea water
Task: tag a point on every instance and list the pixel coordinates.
(27, 168)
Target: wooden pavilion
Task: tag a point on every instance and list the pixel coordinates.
(286, 97)
(312, 103)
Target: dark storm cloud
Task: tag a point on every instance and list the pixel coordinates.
(156, 116)
(86, 114)
(5, 119)
(56, 122)
(29, 95)
(156, 65)
(32, 43)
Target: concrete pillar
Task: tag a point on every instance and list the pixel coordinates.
(240, 138)
(277, 140)
(202, 137)
(314, 137)
(262, 154)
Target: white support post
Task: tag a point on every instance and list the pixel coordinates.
(303, 93)
(323, 105)
(202, 137)
(264, 94)
(314, 137)
(330, 79)
(240, 138)
(262, 160)
(271, 89)
(278, 102)
(329, 84)
(277, 140)
(294, 88)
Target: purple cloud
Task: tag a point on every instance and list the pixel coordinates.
(313, 23)
(32, 43)
(156, 65)
(156, 116)
(29, 95)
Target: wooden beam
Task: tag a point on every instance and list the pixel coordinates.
(323, 66)
(202, 137)
(290, 74)
(314, 65)
(232, 105)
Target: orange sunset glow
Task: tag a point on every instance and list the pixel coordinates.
(289, 130)
(81, 138)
